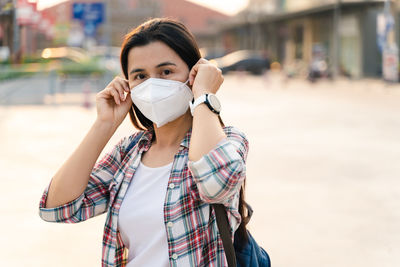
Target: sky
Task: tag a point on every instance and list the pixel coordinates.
(225, 6)
(230, 7)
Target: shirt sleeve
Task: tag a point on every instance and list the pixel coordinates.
(94, 200)
(220, 173)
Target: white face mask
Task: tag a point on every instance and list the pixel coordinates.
(160, 100)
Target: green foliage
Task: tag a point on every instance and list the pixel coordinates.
(89, 67)
(60, 66)
(13, 73)
(28, 60)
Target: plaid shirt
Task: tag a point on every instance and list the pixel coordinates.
(190, 223)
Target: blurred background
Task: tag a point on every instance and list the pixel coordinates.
(314, 84)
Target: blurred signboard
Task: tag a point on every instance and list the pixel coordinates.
(25, 11)
(27, 14)
(391, 63)
(384, 24)
(90, 15)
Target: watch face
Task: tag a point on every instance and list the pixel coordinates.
(214, 102)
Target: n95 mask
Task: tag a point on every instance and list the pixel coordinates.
(161, 100)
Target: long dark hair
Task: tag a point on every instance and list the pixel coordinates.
(178, 38)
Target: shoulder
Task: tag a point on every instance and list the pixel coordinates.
(234, 132)
(135, 137)
(128, 142)
(237, 138)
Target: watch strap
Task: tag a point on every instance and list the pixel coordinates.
(200, 100)
(205, 98)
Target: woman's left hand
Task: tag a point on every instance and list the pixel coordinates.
(205, 78)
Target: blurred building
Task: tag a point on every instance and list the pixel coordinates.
(23, 29)
(290, 30)
(6, 27)
(120, 16)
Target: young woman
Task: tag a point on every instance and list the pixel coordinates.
(157, 184)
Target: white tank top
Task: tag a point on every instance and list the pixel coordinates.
(141, 217)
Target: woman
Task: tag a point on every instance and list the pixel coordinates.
(157, 184)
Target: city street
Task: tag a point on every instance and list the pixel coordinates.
(322, 173)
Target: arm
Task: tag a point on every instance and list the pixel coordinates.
(216, 159)
(206, 128)
(220, 173)
(73, 178)
(94, 198)
(206, 132)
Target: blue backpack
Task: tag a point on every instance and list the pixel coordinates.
(242, 253)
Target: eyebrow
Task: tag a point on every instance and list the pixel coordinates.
(167, 63)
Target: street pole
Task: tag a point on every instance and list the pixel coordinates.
(16, 33)
(107, 4)
(108, 75)
(390, 54)
(336, 39)
(387, 7)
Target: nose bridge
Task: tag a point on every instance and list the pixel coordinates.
(154, 74)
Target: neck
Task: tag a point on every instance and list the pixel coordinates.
(172, 133)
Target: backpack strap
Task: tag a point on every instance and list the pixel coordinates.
(223, 227)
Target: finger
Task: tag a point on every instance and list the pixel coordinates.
(128, 99)
(195, 69)
(203, 61)
(125, 84)
(120, 88)
(192, 74)
(192, 77)
(114, 93)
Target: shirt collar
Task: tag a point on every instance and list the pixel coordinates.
(186, 140)
(147, 136)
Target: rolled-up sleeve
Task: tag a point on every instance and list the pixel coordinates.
(220, 173)
(94, 200)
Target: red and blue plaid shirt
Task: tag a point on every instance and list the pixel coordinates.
(190, 223)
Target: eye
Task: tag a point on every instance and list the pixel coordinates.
(166, 72)
(139, 76)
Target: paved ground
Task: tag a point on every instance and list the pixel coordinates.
(323, 173)
(48, 89)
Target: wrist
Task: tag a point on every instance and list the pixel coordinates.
(105, 126)
(200, 92)
(206, 99)
(195, 96)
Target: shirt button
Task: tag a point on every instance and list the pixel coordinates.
(174, 256)
(172, 186)
(170, 224)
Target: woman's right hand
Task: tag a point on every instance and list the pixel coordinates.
(112, 104)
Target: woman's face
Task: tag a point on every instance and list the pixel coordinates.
(155, 60)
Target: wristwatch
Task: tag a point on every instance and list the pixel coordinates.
(210, 100)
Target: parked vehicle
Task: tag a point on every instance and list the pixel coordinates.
(254, 62)
(209, 54)
(318, 67)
